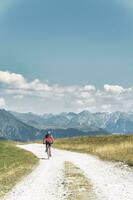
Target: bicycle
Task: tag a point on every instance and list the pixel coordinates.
(48, 141)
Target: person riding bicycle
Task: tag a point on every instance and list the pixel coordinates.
(48, 140)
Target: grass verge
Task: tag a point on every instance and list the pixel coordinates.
(14, 163)
(76, 184)
(112, 148)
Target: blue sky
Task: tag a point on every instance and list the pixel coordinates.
(88, 42)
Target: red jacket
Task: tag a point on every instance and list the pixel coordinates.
(49, 139)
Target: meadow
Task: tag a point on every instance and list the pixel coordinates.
(113, 148)
(14, 164)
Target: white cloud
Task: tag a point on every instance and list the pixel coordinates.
(18, 97)
(89, 88)
(106, 108)
(79, 102)
(36, 85)
(16, 83)
(66, 98)
(11, 78)
(2, 103)
(113, 88)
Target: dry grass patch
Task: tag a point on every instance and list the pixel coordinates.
(14, 163)
(113, 148)
(76, 184)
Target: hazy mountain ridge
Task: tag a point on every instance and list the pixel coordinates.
(29, 126)
(116, 122)
(60, 121)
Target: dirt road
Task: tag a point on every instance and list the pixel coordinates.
(110, 180)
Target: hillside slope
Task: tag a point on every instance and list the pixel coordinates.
(12, 128)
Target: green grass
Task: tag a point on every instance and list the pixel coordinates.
(14, 164)
(78, 187)
(112, 148)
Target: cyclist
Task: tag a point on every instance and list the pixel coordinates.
(48, 140)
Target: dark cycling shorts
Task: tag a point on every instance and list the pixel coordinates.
(48, 144)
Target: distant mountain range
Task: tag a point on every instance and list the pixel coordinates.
(29, 126)
(116, 122)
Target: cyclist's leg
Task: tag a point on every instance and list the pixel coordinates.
(50, 151)
(47, 146)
